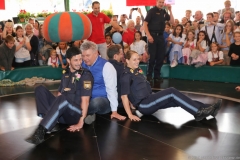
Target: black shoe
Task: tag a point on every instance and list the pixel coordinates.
(217, 107)
(55, 129)
(38, 136)
(204, 112)
(149, 78)
(90, 119)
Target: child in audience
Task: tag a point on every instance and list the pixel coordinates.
(189, 45)
(125, 49)
(177, 40)
(215, 56)
(61, 51)
(138, 45)
(22, 54)
(166, 34)
(198, 56)
(234, 50)
(108, 40)
(53, 59)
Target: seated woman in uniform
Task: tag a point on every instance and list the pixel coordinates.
(136, 89)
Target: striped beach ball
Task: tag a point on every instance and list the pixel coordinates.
(66, 27)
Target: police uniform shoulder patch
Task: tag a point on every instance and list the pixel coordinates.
(87, 85)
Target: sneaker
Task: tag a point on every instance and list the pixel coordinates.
(199, 64)
(90, 119)
(174, 63)
(38, 136)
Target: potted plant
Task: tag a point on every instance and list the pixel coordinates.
(108, 13)
(22, 15)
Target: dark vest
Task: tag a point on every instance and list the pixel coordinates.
(140, 87)
(119, 68)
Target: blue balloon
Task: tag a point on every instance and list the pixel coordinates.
(117, 37)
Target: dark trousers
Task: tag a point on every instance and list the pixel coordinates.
(55, 109)
(169, 98)
(99, 105)
(157, 52)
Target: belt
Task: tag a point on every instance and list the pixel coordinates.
(156, 33)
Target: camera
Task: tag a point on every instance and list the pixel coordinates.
(134, 8)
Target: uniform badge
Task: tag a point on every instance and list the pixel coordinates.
(131, 70)
(67, 89)
(87, 85)
(66, 76)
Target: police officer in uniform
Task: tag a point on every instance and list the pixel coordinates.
(154, 25)
(115, 55)
(71, 104)
(135, 89)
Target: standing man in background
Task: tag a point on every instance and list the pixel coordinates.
(154, 25)
(98, 20)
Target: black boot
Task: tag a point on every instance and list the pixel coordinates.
(204, 112)
(38, 135)
(217, 107)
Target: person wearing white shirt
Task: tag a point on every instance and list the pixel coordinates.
(215, 56)
(104, 95)
(212, 31)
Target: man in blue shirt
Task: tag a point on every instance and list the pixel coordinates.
(104, 94)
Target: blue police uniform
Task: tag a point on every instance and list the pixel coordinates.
(139, 92)
(119, 68)
(66, 107)
(156, 19)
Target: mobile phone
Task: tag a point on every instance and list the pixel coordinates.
(134, 8)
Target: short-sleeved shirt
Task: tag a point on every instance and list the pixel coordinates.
(128, 37)
(98, 22)
(156, 19)
(22, 52)
(74, 88)
(215, 55)
(139, 46)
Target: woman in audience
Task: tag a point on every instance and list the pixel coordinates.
(176, 39)
(226, 39)
(189, 45)
(215, 56)
(36, 28)
(198, 56)
(8, 30)
(61, 51)
(22, 55)
(34, 44)
(139, 46)
(128, 35)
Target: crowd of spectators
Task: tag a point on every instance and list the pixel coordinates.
(213, 39)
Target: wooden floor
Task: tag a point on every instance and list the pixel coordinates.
(169, 134)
